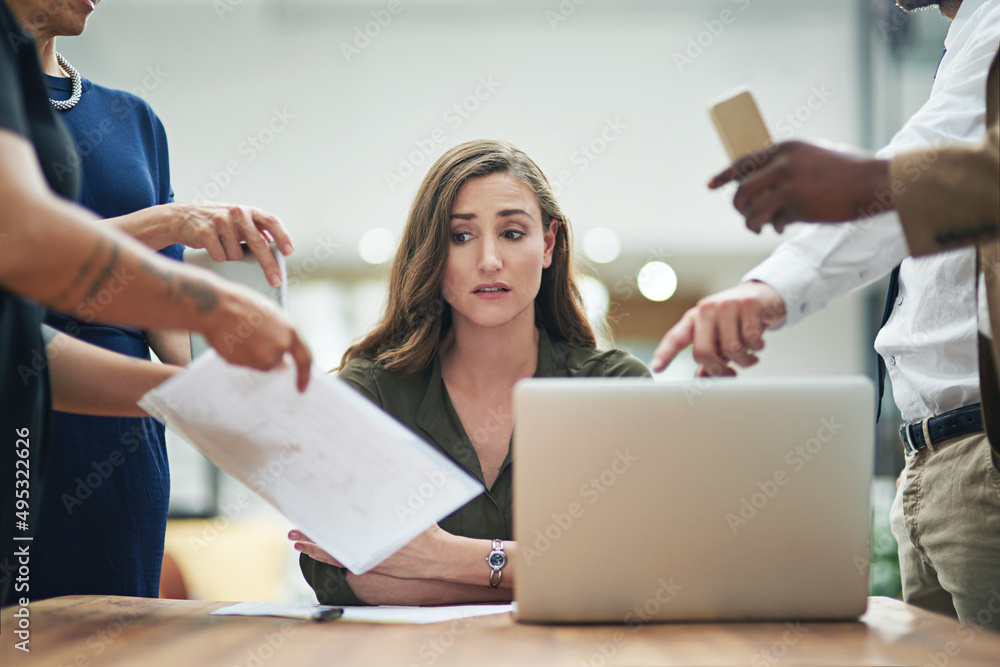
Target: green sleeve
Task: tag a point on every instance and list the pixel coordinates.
(622, 364)
(329, 583)
(360, 374)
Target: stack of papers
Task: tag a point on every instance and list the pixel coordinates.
(344, 472)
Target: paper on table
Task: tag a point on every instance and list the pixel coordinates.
(388, 614)
(353, 479)
(420, 615)
(316, 612)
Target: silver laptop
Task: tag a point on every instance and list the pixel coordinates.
(245, 271)
(638, 501)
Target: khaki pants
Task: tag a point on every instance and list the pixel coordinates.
(946, 518)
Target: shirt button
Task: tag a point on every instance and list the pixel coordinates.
(892, 361)
(864, 274)
(899, 301)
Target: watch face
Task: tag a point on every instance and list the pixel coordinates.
(497, 559)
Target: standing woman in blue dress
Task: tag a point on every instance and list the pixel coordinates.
(103, 517)
(56, 254)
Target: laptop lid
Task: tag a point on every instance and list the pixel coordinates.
(245, 271)
(637, 501)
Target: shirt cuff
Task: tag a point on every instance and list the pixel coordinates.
(830, 260)
(796, 279)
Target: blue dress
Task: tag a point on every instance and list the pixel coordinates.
(107, 486)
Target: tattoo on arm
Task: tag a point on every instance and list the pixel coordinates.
(86, 268)
(105, 273)
(165, 276)
(204, 297)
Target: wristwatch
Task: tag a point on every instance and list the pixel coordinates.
(496, 560)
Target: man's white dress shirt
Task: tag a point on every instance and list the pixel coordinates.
(929, 343)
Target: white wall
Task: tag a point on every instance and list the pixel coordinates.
(216, 72)
(556, 90)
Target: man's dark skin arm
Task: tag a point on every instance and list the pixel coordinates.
(800, 182)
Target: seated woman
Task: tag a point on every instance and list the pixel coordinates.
(481, 295)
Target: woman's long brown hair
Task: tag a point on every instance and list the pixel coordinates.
(417, 316)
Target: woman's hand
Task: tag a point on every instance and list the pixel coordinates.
(421, 558)
(248, 329)
(218, 228)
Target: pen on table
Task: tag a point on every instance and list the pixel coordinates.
(331, 614)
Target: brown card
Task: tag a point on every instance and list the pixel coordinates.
(740, 125)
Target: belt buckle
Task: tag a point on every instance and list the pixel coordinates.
(908, 447)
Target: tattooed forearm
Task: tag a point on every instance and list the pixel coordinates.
(88, 265)
(204, 297)
(166, 277)
(97, 284)
(202, 294)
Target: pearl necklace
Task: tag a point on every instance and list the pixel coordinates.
(75, 80)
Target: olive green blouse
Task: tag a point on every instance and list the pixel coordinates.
(420, 401)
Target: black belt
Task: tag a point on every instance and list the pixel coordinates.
(942, 427)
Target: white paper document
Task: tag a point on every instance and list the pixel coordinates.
(316, 612)
(420, 615)
(385, 614)
(345, 473)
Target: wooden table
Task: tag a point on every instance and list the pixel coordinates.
(138, 632)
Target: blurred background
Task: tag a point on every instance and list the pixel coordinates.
(329, 112)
